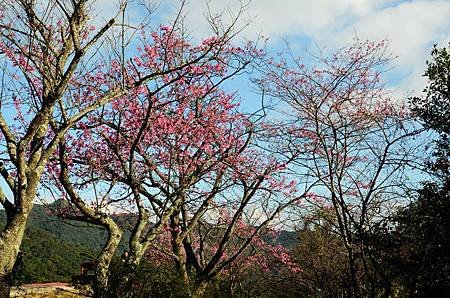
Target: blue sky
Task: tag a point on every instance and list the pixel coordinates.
(412, 27)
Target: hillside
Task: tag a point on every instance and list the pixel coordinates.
(55, 248)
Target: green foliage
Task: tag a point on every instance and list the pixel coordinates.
(419, 247)
(415, 244)
(434, 108)
(413, 248)
(48, 258)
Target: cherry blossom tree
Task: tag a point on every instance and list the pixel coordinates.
(172, 151)
(176, 153)
(57, 69)
(45, 51)
(215, 231)
(348, 133)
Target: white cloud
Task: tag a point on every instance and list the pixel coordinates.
(411, 26)
(284, 17)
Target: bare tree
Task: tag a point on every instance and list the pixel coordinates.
(352, 137)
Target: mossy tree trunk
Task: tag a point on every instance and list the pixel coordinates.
(103, 271)
(12, 234)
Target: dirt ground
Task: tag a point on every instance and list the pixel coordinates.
(46, 291)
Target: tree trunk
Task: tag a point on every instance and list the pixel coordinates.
(101, 286)
(354, 281)
(199, 288)
(5, 285)
(177, 249)
(124, 282)
(10, 240)
(184, 276)
(387, 290)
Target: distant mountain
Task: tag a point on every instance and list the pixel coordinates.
(55, 248)
(288, 239)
